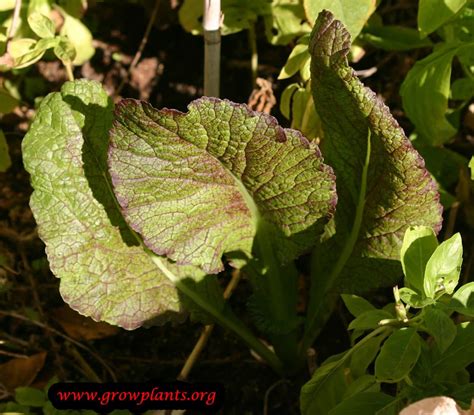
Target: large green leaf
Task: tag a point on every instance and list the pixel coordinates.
(433, 13)
(398, 355)
(196, 185)
(382, 184)
(425, 92)
(104, 274)
(352, 13)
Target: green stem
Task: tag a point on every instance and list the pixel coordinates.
(278, 288)
(70, 75)
(222, 319)
(312, 328)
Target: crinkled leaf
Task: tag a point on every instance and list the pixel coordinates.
(353, 14)
(196, 185)
(382, 189)
(104, 274)
(443, 268)
(433, 13)
(440, 326)
(462, 300)
(425, 92)
(419, 243)
(398, 355)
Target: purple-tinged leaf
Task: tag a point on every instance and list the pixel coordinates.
(196, 185)
(400, 192)
(104, 272)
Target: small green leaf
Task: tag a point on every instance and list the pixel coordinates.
(65, 50)
(80, 37)
(356, 305)
(434, 13)
(324, 390)
(25, 52)
(362, 404)
(41, 25)
(285, 21)
(298, 56)
(286, 100)
(398, 355)
(425, 92)
(7, 102)
(5, 161)
(364, 356)
(462, 300)
(30, 396)
(369, 319)
(414, 299)
(353, 14)
(458, 355)
(440, 326)
(443, 268)
(471, 166)
(419, 243)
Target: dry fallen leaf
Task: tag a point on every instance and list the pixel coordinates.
(82, 328)
(21, 372)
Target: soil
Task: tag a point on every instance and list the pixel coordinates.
(168, 75)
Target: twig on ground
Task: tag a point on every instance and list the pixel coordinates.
(140, 50)
(206, 332)
(64, 336)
